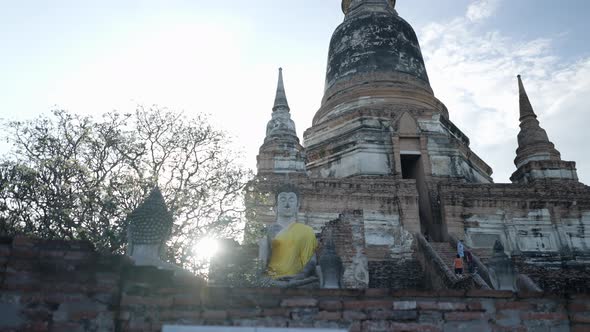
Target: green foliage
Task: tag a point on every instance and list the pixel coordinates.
(246, 276)
(237, 266)
(78, 177)
(257, 202)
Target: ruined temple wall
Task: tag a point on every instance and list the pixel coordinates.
(383, 211)
(542, 218)
(556, 274)
(449, 153)
(348, 235)
(353, 310)
(369, 141)
(67, 286)
(448, 161)
(52, 285)
(389, 207)
(281, 156)
(80, 290)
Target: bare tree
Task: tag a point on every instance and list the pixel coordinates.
(76, 177)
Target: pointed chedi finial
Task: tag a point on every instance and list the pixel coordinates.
(526, 109)
(281, 96)
(281, 152)
(536, 157)
(281, 124)
(533, 142)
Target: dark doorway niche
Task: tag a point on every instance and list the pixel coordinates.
(413, 169)
(410, 166)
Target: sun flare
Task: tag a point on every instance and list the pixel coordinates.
(206, 248)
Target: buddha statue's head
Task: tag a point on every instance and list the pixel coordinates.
(287, 203)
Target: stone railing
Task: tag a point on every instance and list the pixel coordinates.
(437, 272)
(484, 278)
(526, 284)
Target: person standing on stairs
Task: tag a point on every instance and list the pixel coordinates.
(460, 249)
(458, 263)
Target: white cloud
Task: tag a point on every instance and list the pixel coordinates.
(474, 73)
(481, 9)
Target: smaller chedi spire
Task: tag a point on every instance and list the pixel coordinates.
(281, 124)
(281, 96)
(536, 157)
(533, 142)
(281, 151)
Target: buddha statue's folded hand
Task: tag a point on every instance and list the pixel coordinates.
(273, 230)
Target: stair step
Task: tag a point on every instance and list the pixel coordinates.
(447, 253)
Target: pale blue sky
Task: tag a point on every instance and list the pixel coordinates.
(220, 57)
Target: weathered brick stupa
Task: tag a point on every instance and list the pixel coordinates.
(388, 185)
(383, 164)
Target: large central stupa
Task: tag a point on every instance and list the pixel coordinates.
(375, 78)
(383, 163)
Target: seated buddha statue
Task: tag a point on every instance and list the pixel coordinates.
(288, 251)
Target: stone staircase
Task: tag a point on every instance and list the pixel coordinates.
(447, 253)
(437, 263)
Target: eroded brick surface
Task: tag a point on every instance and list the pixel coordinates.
(139, 299)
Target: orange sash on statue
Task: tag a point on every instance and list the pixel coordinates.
(291, 250)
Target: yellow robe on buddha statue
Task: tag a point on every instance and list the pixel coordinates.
(291, 250)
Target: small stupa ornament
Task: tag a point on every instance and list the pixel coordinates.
(149, 227)
(348, 4)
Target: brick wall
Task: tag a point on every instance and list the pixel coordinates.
(57, 286)
(66, 286)
(396, 274)
(356, 310)
(331, 197)
(348, 235)
(564, 200)
(554, 273)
